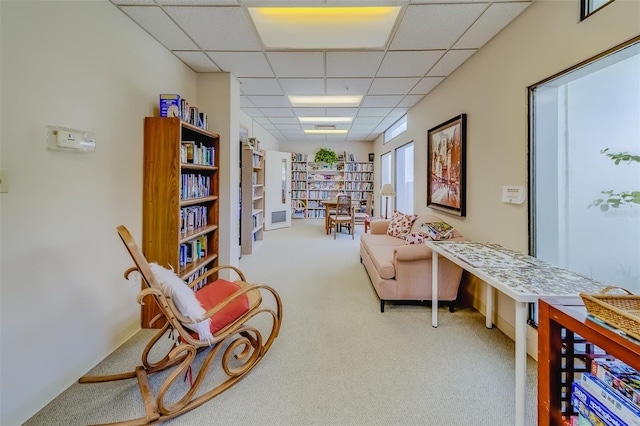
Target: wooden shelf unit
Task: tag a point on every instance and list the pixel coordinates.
(252, 213)
(567, 343)
(311, 183)
(178, 218)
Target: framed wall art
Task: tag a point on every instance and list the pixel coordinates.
(446, 168)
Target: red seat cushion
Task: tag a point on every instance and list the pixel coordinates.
(214, 293)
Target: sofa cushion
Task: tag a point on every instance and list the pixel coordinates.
(416, 238)
(382, 258)
(400, 224)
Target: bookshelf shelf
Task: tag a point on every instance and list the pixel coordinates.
(176, 232)
(568, 343)
(252, 188)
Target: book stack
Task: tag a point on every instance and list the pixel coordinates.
(608, 395)
(437, 230)
(173, 105)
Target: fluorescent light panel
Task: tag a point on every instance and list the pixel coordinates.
(325, 132)
(324, 27)
(325, 119)
(325, 101)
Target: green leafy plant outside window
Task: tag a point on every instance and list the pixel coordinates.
(616, 199)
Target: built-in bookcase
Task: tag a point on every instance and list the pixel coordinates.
(252, 223)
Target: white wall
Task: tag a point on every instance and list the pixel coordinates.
(491, 88)
(64, 303)
(360, 149)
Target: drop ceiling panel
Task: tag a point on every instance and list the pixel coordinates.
(160, 26)
(372, 101)
(490, 23)
(392, 86)
(297, 64)
(242, 64)
(199, 2)
(260, 86)
(409, 101)
(197, 61)
(245, 102)
(409, 64)
(342, 112)
(311, 112)
(270, 101)
(303, 86)
(425, 85)
(435, 26)
(348, 86)
(353, 64)
(216, 28)
(253, 112)
(285, 120)
(278, 112)
(451, 60)
(374, 112)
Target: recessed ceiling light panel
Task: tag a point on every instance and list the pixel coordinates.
(324, 27)
(325, 101)
(325, 119)
(325, 132)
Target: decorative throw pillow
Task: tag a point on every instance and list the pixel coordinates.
(400, 224)
(415, 238)
(184, 298)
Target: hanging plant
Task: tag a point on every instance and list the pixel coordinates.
(326, 155)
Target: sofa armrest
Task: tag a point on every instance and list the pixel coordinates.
(412, 252)
(379, 226)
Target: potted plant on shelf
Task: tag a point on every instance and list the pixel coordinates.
(326, 155)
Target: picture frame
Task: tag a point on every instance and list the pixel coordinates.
(446, 166)
(372, 156)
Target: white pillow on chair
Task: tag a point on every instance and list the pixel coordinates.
(184, 298)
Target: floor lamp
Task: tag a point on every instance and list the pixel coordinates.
(387, 191)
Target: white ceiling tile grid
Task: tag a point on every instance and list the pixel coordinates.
(429, 41)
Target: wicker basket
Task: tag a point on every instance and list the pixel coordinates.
(618, 310)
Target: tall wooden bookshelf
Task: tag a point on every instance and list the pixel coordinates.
(180, 211)
(252, 213)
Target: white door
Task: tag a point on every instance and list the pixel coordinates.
(277, 202)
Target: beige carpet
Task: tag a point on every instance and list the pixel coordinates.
(338, 359)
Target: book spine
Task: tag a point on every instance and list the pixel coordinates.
(620, 377)
(580, 397)
(615, 402)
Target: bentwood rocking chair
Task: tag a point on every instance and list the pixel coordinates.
(227, 325)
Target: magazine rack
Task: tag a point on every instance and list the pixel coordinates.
(238, 343)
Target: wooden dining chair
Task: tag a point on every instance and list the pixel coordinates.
(344, 215)
(361, 216)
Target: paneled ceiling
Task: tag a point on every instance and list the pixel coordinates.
(430, 39)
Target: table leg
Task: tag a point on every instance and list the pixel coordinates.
(434, 289)
(521, 361)
(326, 219)
(489, 306)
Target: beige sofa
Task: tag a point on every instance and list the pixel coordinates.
(402, 272)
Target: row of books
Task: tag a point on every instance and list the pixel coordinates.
(358, 186)
(608, 395)
(193, 250)
(358, 176)
(173, 105)
(326, 186)
(359, 167)
(194, 185)
(192, 153)
(192, 218)
(196, 275)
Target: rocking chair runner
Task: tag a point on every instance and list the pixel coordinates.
(233, 335)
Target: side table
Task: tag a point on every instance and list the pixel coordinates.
(368, 220)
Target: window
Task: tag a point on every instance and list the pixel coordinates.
(396, 128)
(585, 168)
(404, 178)
(588, 7)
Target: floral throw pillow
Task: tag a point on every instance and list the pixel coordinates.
(416, 238)
(400, 224)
